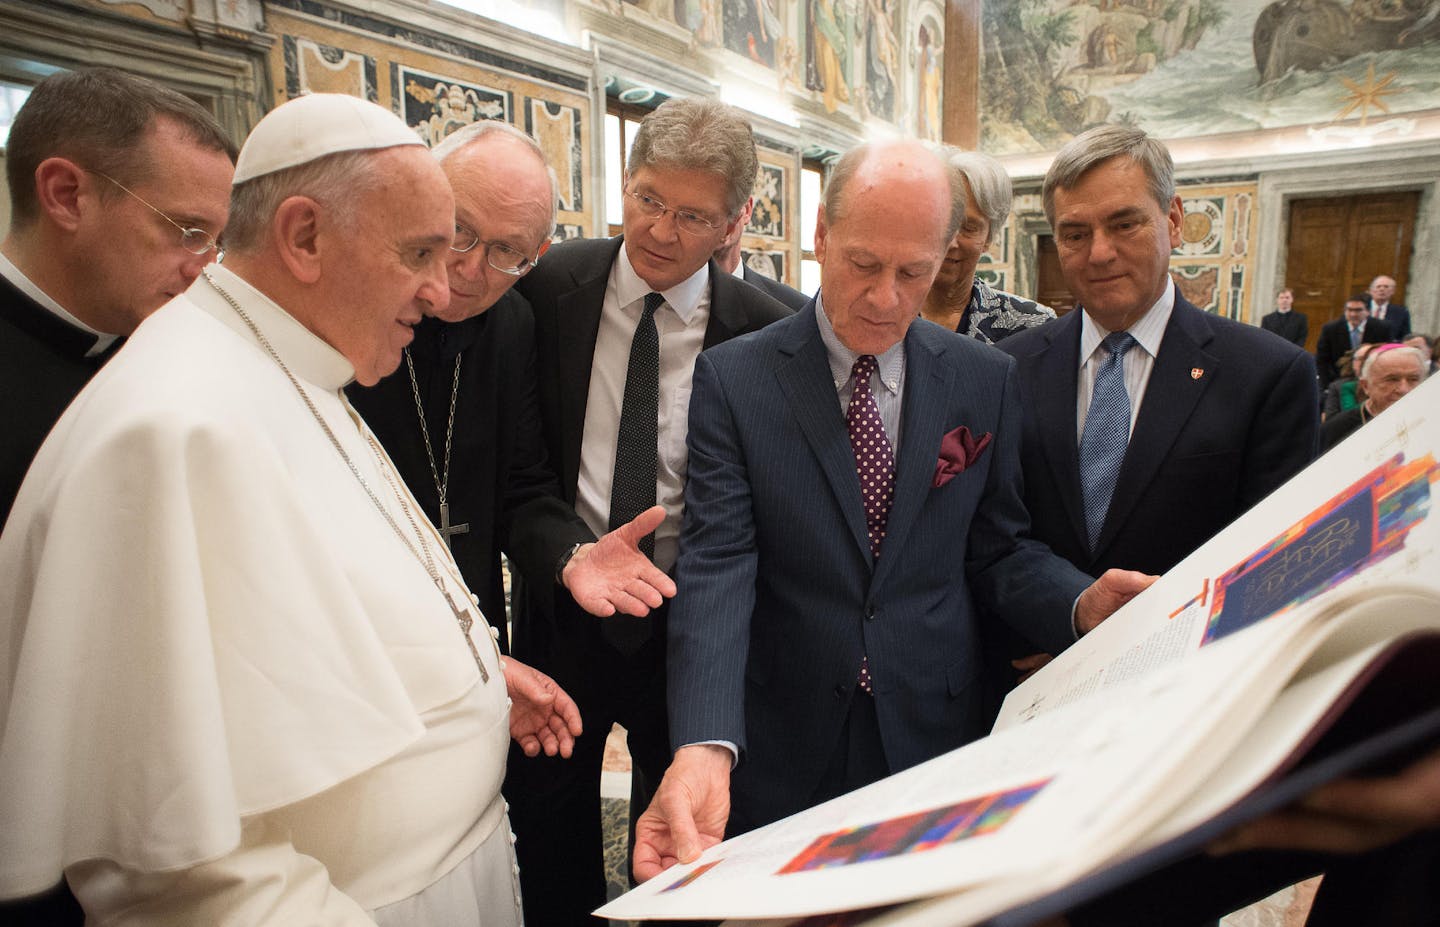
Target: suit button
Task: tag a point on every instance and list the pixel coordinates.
(840, 691)
(870, 612)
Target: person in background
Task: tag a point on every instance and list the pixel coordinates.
(1388, 374)
(1284, 321)
(1393, 314)
(1345, 391)
(728, 257)
(958, 299)
(1347, 333)
(1426, 346)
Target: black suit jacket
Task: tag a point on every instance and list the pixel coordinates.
(1230, 413)
(42, 367)
(785, 294)
(1396, 316)
(566, 291)
(1334, 340)
(1293, 326)
(499, 474)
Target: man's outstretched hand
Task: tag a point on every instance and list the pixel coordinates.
(688, 813)
(543, 717)
(614, 575)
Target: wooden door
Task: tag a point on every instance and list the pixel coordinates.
(1050, 288)
(1338, 244)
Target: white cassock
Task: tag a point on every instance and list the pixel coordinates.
(227, 687)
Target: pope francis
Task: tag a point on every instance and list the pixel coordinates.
(241, 680)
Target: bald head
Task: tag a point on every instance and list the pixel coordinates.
(889, 215)
(505, 203)
(894, 165)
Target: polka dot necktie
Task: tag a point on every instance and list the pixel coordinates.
(1106, 435)
(874, 465)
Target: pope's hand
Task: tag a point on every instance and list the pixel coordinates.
(613, 575)
(688, 813)
(542, 716)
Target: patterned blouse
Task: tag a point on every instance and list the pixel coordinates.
(994, 314)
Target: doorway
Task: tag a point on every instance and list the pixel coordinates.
(1337, 244)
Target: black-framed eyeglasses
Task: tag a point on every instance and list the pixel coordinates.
(685, 220)
(498, 255)
(196, 241)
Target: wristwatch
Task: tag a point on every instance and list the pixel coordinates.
(564, 559)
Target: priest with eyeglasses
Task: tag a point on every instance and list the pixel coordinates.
(241, 678)
(460, 417)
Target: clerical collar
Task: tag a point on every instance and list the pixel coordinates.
(24, 284)
(890, 365)
(684, 297)
(309, 356)
(1148, 330)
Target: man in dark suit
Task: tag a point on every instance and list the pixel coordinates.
(833, 595)
(1293, 326)
(618, 325)
(1346, 334)
(1393, 314)
(728, 257)
(460, 418)
(102, 167)
(119, 189)
(1217, 414)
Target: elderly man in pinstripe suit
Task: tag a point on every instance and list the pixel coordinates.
(834, 594)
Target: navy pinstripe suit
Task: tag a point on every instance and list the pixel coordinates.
(779, 596)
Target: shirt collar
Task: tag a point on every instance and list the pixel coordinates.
(891, 364)
(307, 355)
(684, 297)
(103, 340)
(1148, 330)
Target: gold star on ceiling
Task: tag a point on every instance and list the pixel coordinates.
(1365, 96)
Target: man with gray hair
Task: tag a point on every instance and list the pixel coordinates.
(618, 325)
(241, 679)
(460, 417)
(853, 531)
(1150, 424)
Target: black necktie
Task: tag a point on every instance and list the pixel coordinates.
(633, 489)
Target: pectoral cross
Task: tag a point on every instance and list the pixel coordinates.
(447, 529)
(462, 617)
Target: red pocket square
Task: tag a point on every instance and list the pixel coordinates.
(958, 450)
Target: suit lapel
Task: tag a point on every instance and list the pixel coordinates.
(578, 325)
(1055, 381)
(805, 380)
(923, 419)
(1182, 372)
(727, 314)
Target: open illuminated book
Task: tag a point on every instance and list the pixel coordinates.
(1298, 644)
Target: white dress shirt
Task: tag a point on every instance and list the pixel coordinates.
(681, 323)
(1148, 331)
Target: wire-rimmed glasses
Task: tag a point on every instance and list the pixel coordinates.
(498, 255)
(196, 241)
